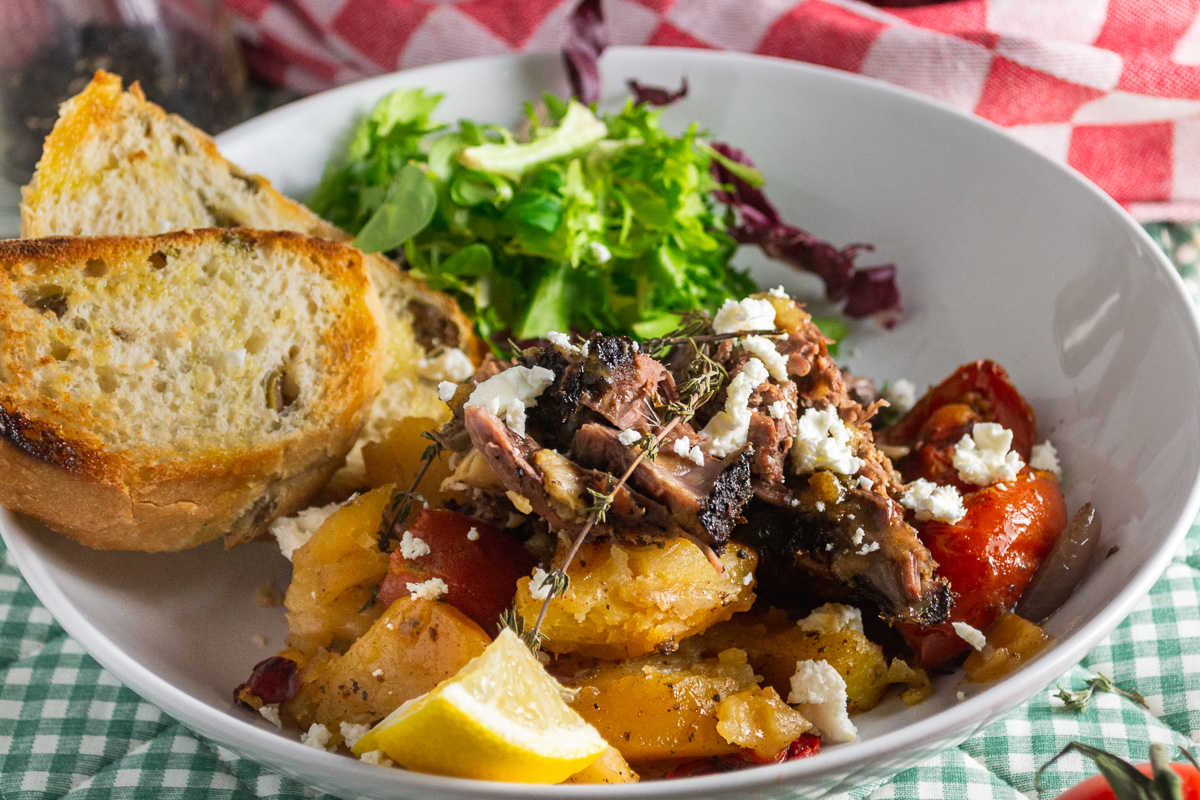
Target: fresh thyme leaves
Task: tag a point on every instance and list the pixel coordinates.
(516, 623)
(1078, 701)
(400, 506)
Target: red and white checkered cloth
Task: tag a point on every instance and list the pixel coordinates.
(1111, 87)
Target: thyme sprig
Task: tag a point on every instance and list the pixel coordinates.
(1078, 701)
(702, 380)
(401, 502)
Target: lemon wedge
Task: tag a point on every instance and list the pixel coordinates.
(501, 718)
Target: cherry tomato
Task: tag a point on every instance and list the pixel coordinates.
(975, 392)
(480, 570)
(1097, 788)
(989, 556)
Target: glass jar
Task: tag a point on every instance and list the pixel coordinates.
(182, 52)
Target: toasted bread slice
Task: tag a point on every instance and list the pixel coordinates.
(118, 164)
(158, 392)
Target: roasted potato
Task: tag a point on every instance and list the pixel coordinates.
(411, 648)
(628, 600)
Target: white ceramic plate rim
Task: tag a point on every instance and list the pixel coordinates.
(252, 740)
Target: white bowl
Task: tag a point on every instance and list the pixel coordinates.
(1002, 254)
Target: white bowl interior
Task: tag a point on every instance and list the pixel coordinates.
(1001, 255)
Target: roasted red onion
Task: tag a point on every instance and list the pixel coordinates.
(1064, 568)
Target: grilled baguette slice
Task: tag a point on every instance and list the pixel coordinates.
(117, 164)
(158, 392)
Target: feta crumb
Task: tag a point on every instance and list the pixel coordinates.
(960, 695)
(865, 483)
(376, 757)
(696, 455)
(681, 447)
(867, 549)
(562, 340)
(902, 394)
(446, 391)
(823, 442)
(292, 533)
(778, 409)
(984, 457)
(509, 393)
(270, 713)
(628, 437)
(751, 314)
(451, 364)
(832, 618)
(233, 360)
(749, 579)
(377, 673)
(473, 534)
(765, 351)
(971, 636)
(727, 429)
(540, 584)
(412, 547)
(858, 536)
(819, 693)
(931, 501)
(431, 589)
(317, 737)
(352, 732)
(819, 505)
(1045, 456)
(829, 546)
(779, 292)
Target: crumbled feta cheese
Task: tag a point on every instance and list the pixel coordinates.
(819, 505)
(778, 409)
(317, 737)
(865, 483)
(431, 589)
(540, 584)
(960, 695)
(509, 393)
(628, 437)
(562, 340)
(819, 693)
(451, 364)
(749, 579)
(412, 547)
(1045, 456)
(377, 673)
(866, 549)
(681, 447)
(352, 732)
(727, 429)
(931, 501)
(446, 390)
(902, 394)
(376, 757)
(858, 536)
(270, 712)
(696, 455)
(972, 636)
(473, 534)
(984, 457)
(779, 292)
(765, 351)
(292, 533)
(823, 442)
(832, 618)
(751, 314)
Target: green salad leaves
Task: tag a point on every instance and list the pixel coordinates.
(588, 222)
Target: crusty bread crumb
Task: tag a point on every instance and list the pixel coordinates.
(158, 392)
(117, 164)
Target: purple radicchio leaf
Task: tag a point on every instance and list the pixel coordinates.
(656, 95)
(587, 36)
(867, 291)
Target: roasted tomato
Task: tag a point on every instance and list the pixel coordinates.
(976, 392)
(989, 556)
(480, 565)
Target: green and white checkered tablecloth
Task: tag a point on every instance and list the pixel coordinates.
(69, 729)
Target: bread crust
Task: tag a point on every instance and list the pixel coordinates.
(57, 469)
